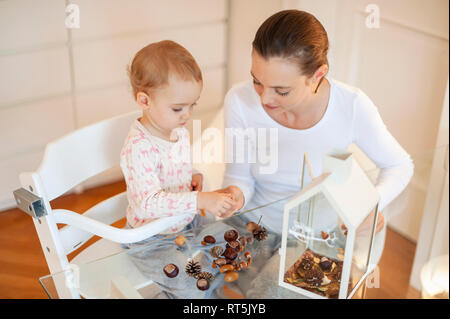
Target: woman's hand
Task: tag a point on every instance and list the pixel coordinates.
(236, 194)
(366, 226)
(219, 204)
(197, 182)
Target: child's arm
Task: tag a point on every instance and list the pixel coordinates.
(140, 165)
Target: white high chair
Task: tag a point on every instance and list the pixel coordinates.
(68, 162)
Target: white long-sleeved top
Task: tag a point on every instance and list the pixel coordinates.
(351, 117)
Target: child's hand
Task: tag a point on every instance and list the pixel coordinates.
(219, 204)
(197, 182)
(236, 194)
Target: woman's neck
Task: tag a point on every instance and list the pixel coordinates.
(310, 113)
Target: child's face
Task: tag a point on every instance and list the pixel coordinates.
(171, 106)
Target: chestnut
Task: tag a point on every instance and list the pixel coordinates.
(220, 261)
(171, 270)
(230, 235)
(230, 253)
(229, 261)
(209, 239)
(251, 226)
(234, 244)
(325, 265)
(216, 251)
(203, 284)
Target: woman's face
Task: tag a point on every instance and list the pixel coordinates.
(279, 84)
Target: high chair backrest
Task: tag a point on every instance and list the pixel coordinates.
(67, 162)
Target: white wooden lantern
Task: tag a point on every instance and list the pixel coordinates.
(328, 231)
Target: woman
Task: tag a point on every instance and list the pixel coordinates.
(313, 113)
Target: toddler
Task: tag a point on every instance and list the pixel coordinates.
(155, 159)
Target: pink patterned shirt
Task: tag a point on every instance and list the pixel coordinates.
(158, 174)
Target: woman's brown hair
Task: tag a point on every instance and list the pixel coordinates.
(295, 35)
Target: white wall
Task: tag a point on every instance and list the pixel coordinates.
(245, 19)
(403, 67)
(54, 80)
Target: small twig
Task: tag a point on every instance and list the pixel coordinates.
(259, 220)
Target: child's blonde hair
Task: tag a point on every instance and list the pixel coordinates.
(152, 65)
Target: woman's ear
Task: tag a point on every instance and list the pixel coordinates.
(320, 72)
(143, 100)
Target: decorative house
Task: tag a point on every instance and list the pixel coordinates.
(328, 231)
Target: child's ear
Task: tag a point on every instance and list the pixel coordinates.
(143, 100)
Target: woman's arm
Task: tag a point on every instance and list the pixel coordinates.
(237, 174)
(373, 138)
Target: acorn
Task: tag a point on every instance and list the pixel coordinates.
(226, 268)
(230, 235)
(230, 253)
(180, 240)
(203, 284)
(231, 276)
(209, 239)
(171, 270)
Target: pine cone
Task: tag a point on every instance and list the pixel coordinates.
(307, 261)
(306, 264)
(193, 268)
(260, 233)
(314, 277)
(204, 275)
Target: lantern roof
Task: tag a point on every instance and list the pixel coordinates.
(345, 185)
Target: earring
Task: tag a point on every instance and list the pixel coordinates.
(320, 81)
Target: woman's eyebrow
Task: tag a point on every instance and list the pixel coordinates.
(272, 87)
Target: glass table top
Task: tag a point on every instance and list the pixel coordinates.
(138, 269)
